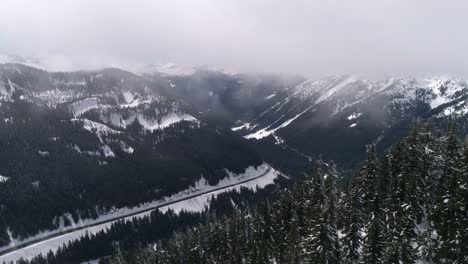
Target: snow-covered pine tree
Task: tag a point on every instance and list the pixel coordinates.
(353, 220)
(403, 216)
(293, 250)
(373, 246)
(462, 205)
(313, 199)
(282, 212)
(368, 178)
(321, 243)
(413, 171)
(445, 209)
(331, 201)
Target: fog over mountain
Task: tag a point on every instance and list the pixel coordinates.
(312, 38)
(255, 131)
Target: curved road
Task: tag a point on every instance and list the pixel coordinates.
(11, 250)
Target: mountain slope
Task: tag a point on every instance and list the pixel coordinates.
(76, 145)
(336, 116)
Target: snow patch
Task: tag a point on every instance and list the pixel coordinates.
(107, 151)
(261, 176)
(335, 89)
(265, 132)
(459, 109)
(244, 126)
(89, 153)
(43, 153)
(126, 148)
(171, 84)
(6, 93)
(128, 96)
(3, 179)
(150, 124)
(354, 116)
(199, 203)
(98, 128)
(165, 121)
(82, 106)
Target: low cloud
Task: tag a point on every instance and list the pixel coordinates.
(312, 38)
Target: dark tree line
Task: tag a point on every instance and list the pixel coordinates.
(64, 185)
(142, 232)
(407, 206)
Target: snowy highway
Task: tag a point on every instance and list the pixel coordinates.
(195, 201)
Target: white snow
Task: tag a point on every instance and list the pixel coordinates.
(131, 101)
(107, 151)
(126, 148)
(265, 132)
(278, 140)
(165, 121)
(443, 89)
(460, 109)
(128, 97)
(270, 96)
(353, 125)
(4, 93)
(198, 204)
(82, 106)
(54, 97)
(439, 90)
(266, 173)
(43, 153)
(354, 116)
(150, 123)
(335, 89)
(118, 120)
(3, 179)
(99, 129)
(244, 126)
(171, 84)
(95, 153)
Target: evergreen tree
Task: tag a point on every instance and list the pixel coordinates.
(321, 243)
(373, 245)
(462, 210)
(353, 223)
(445, 210)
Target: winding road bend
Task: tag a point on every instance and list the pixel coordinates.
(14, 253)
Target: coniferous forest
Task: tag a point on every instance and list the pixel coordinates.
(233, 132)
(408, 206)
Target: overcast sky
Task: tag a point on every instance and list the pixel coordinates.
(314, 38)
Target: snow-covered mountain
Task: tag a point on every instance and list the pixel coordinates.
(89, 135)
(105, 102)
(336, 95)
(337, 115)
(81, 143)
